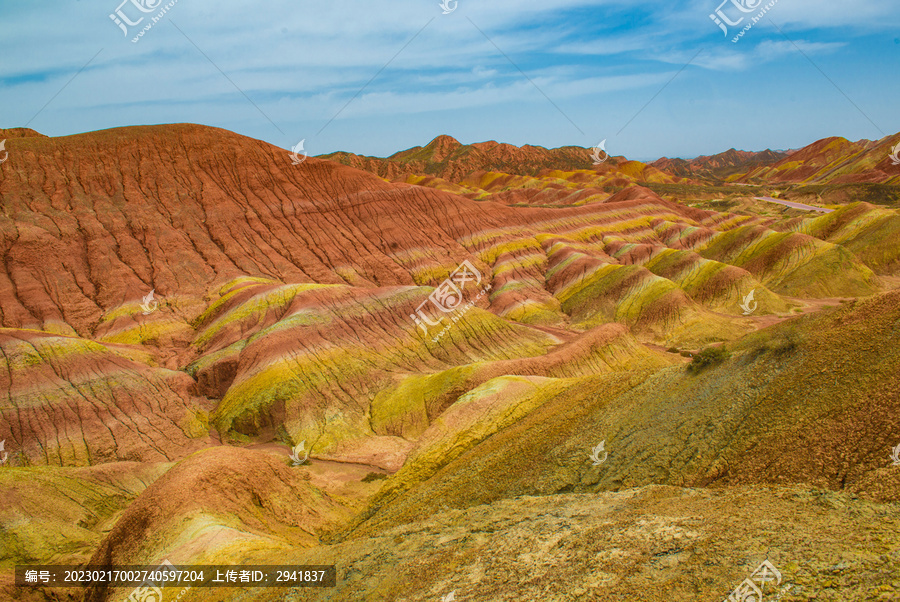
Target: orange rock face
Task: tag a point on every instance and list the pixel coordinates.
(269, 279)
(507, 174)
(184, 294)
(830, 160)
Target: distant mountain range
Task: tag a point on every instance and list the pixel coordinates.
(721, 166)
(831, 160)
(447, 158)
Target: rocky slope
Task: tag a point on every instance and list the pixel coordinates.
(442, 347)
(511, 175)
(447, 158)
(653, 544)
(832, 161)
(719, 166)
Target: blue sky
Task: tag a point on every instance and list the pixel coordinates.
(285, 70)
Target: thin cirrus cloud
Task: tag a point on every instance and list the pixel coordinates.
(729, 59)
(347, 75)
(378, 103)
(871, 15)
(867, 16)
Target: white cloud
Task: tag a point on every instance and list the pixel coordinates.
(518, 90)
(300, 61)
(746, 55)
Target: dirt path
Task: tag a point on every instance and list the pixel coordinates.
(663, 349)
(794, 205)
(561, 333)
(281, 449)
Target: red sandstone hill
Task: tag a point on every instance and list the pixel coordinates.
(19, 133)
(719, 166)
(94, 221)
(835, 161)
(828, 161)
(97, 220)
(286, 290)
(447, 158)
(507, 174)
(285, 312)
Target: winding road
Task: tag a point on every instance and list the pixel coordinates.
(794, 205)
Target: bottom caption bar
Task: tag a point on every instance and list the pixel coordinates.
(170, 575)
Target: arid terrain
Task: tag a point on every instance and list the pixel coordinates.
(469, 372)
